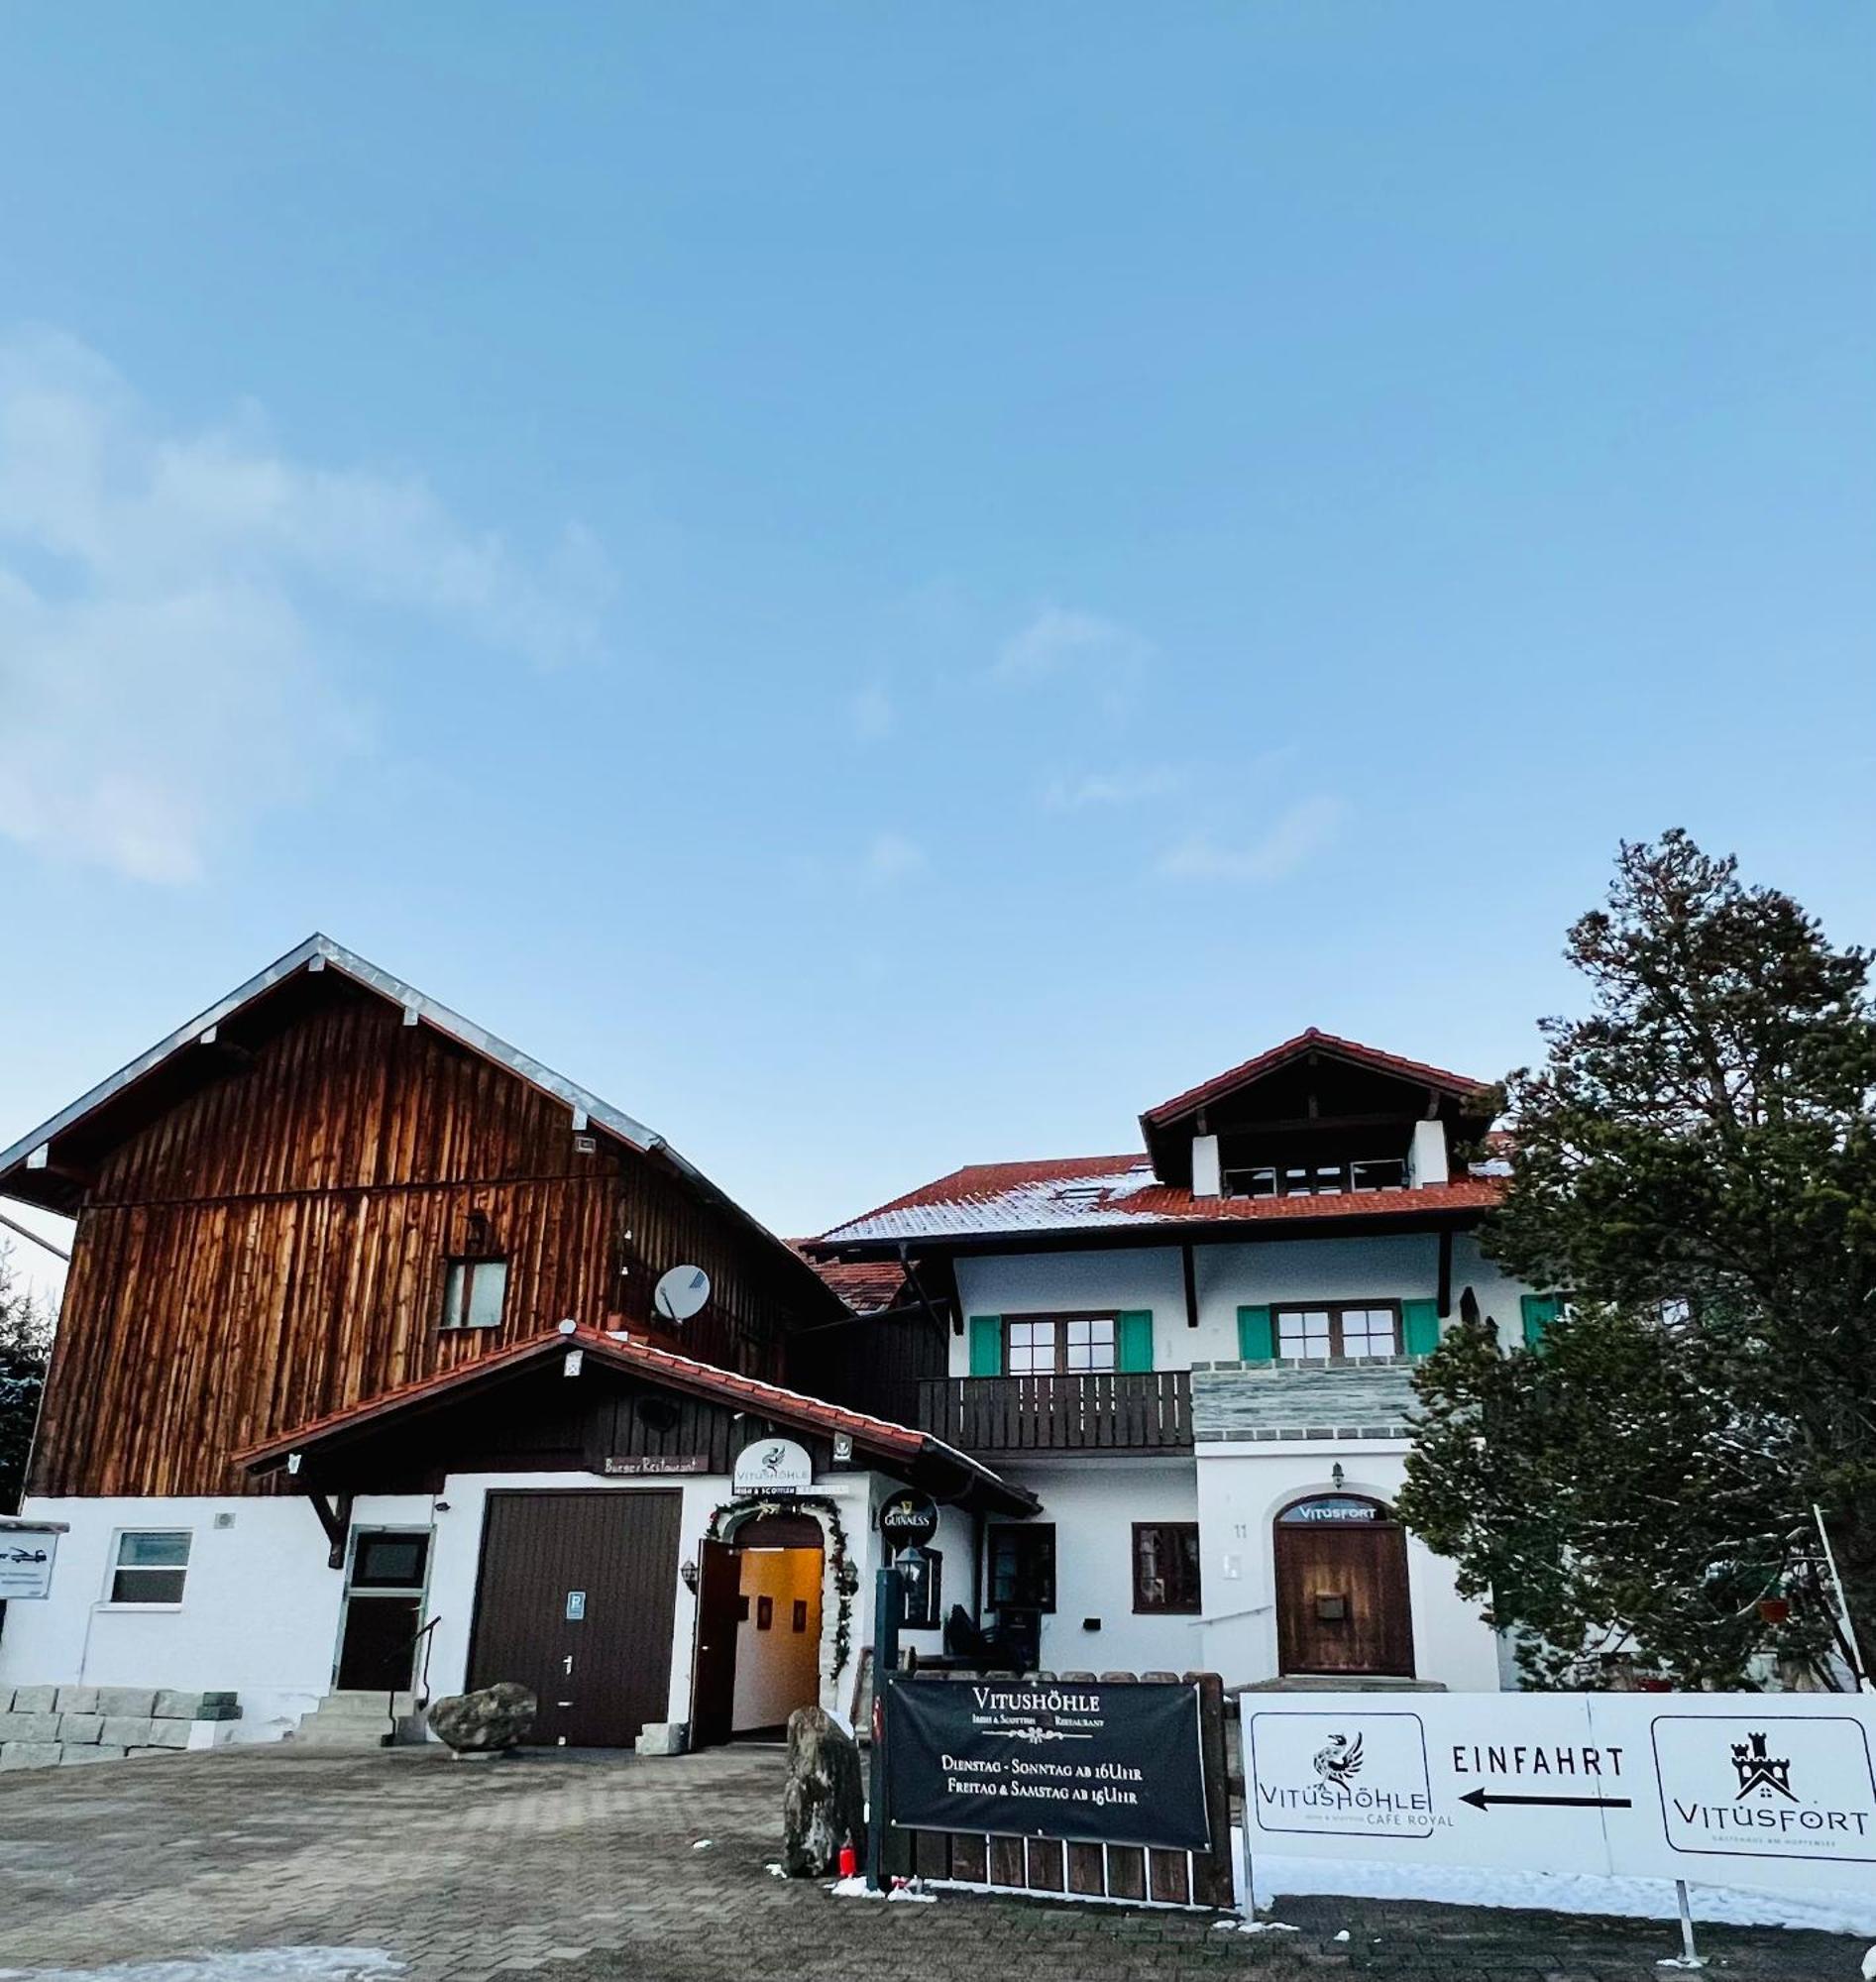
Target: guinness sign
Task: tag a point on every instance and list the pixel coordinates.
(908, 1521)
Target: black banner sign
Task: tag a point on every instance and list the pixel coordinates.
(1110, 1764)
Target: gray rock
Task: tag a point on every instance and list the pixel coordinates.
(95, 1753)
(77, 1700)
(178, 1707)
(80, 1728)
(126, 1731)
(485, 1721)
(31, 1754)
(220, 1706)
(168, 1733)
(28, 1726)
(825, 1802)
(34, 1699)
(140, 1701)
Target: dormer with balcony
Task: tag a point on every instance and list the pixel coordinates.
(1317, 1117)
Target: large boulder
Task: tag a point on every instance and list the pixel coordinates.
(485, 1721)
(825, 1803)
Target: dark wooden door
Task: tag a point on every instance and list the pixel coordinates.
(1342, 1600)
(718, 1611)
(576, 1601)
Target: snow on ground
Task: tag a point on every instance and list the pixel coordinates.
(1554, 1892)
(260, 1964)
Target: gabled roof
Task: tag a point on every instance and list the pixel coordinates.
(1312, 1041)
(1116, 1194)
(879, 1436)
(20, 1164)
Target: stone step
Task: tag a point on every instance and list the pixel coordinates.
(353, 1700)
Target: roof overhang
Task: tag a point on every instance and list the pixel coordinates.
(320, 1444)
(1456, 1216)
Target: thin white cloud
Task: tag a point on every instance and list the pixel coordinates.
(1112, 788)
(1304, 829)
(893, 857)
(170, 665)
(1060, 640)
(872, 714)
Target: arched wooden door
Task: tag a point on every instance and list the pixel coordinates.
(1342, 1604)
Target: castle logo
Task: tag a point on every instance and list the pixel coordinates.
(1757, 1769)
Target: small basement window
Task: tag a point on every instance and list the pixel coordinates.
(150, 1566)
(472, 1293)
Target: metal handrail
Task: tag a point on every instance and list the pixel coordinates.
(421, 1691)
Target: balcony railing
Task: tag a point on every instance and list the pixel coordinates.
(1150, 1412)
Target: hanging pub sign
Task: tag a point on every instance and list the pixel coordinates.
(27, 1556)
(773, 1466)
(908, 1521)
(1107, 1764)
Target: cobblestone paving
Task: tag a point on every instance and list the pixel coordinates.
(588, 1871)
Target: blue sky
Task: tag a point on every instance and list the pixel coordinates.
(887, 585)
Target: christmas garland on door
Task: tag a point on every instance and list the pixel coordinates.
(846, 1579)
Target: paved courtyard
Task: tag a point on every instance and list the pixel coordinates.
(589, 1870)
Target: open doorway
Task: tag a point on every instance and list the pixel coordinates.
(759, 1630)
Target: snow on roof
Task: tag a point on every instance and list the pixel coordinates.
(1096, 1193)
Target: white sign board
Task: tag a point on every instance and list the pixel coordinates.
(26, 1563)
(773, 1466)
(1728, 1788)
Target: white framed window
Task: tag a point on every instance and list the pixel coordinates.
(472, 1293)
(150, 1566)
(1339, 1328)
(1061, 1345)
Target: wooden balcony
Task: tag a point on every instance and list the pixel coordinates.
(1107, 1412)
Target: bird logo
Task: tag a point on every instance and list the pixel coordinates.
(1339, 1761)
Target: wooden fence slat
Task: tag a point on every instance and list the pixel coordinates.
(1086, 1869)
(1007, 1867)
(1126, 1872)
(1166, 1878)
(969, 1860)
(1044, 1866)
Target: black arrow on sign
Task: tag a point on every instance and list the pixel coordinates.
(1481, 1800)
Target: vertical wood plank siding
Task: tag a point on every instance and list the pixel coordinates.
(273, 1247)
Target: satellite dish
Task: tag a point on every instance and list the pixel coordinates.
(681, 1293)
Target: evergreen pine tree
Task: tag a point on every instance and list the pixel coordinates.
(1694, 1166)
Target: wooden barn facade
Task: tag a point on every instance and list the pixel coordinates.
(360, 1391)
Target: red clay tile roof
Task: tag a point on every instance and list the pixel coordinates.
(868, 1286)
(1116, 1193)
(1307, 1041)
(679, 1372)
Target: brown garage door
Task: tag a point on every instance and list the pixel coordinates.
(575, 1600)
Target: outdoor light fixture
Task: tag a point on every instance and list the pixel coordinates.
(687, 1575)
(1335, 1473)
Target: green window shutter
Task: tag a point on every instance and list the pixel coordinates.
(1134, 1340)
(986, 1344)
(1256, 1335)
(1420, 1326)
(1539, 1311)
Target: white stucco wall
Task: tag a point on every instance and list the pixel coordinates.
(1093, 1504)
(1241, 1490)
(260, 1611)
(1226, 1277)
